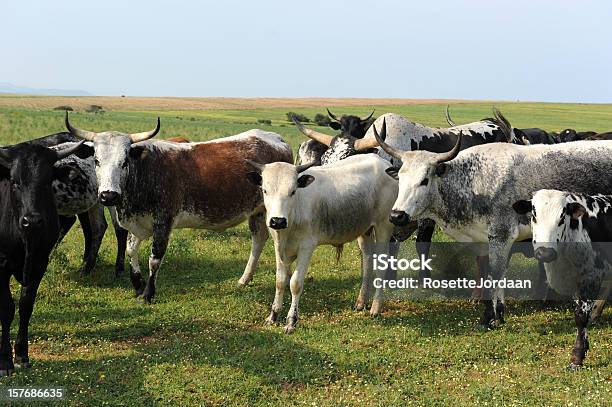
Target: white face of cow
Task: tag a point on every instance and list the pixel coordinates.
(554, 219)
(418, 179)
(279, 184)
(111, 154)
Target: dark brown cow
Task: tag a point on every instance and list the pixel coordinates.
(157, 186)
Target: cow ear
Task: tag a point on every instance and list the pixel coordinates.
(305, 180)
(575, 210)
(522, 207)
(84, 151)
(138, 152)
(441, 169)
(65, 173)
(335, 126)
(254, 177)
(393, 172)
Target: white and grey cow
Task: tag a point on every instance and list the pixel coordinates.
(470, 193)
(333, 204)
(572, 235)
(158, 186)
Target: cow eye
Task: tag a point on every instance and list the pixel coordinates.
(425, 182)
(293, 192)
(96, 162)
(124, 165)
(264, 191)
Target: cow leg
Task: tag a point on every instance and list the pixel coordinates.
(97, 227)
(122, 235)
(582, 314)
(282, 276)
(367, 258)
(259, 236)
(423, 242)
(297, 285)
(135, 274)
(161, 236)
(383, 234)
(26, 307)
(482, 271)
(66, 223)
(500, 244)
(7, 313)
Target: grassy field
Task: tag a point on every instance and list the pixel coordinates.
(203, 342)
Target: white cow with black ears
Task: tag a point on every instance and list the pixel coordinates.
(336, 204)
(569, 231)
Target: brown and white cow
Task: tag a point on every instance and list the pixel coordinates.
(159, 185)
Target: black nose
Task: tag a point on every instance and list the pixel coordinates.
(399, 218)
(278, 223)
(109, 198)
(30, 221)
(545, 254)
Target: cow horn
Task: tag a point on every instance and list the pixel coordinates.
(449, 155)
(136, 137)
(380, 138)
(255, 164)
(333, 116)
(84, 134)
(369, 117)
(68, 151)
(365, 144)
(448, 118)
(304, 167)
(315, 135)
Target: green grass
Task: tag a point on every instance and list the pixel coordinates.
(203, 341)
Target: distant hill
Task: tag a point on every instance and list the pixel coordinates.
(24, 90)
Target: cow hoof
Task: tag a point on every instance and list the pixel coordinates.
(359, 306)
(85, 270)
(243, 284)
(376, 309)
(272, 318)
(289, 329)
(6, 372)
(119, 271)
(572, 367)
(22, 362)
(6, 368)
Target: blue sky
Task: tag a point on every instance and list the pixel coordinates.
(528, 50)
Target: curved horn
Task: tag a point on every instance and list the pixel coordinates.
(503, 124)
(304, 167)
(333, 116)
(366, 144)
(136, 137)
(255, 164)
(448, 118)
(392, 151)
(68, 151)
(84, 134)
(369, 117)
(315, 135)
(449, 155)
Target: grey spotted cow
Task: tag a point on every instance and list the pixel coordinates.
(572, 235)
(470, 194)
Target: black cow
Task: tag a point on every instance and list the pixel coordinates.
(29, 229)
(535, 135)
(75, 197)
(600, 136)
(569, 135)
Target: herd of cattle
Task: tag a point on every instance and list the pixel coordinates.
(374, 182)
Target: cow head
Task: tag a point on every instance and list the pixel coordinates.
(29, 169)
(350, 140)
(418, 177)
(569, 135)
(554, 218)
(112, 152)
(279, 183)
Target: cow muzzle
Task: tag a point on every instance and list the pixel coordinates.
(278, 223)
(545, 254)
(31, 221)
(399, 218)
(109, 198)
